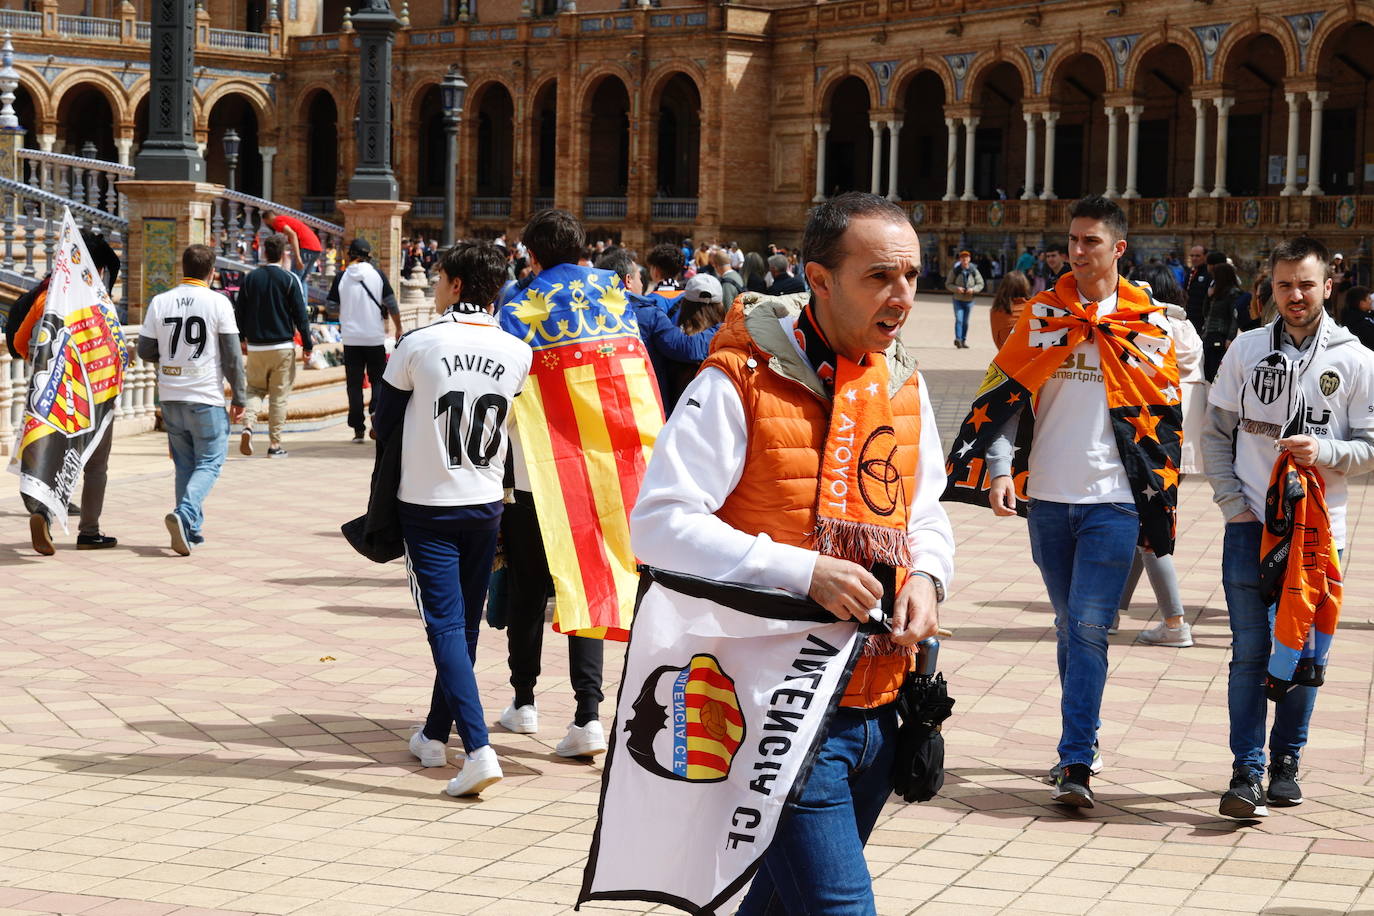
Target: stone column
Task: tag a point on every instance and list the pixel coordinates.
(1050, 118)
(1112, 114)
(1290, 163)
(1132, 149)
(1314, 145)
(875, 177)
(164, 218)
(268, 153)
(952, 160)
(1223, 105)
(170, 153)
(821, 130)
(894, 130)
(1028, 185)
(1199, 147)
(125, 148)
(46, 142)
(373, 178)
(970, 132)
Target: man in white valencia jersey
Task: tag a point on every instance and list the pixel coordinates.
(190, 332)
(447, 393)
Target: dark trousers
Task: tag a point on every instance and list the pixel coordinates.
(449, 570)
(529, 586)
(358, 360)
(1213, 349)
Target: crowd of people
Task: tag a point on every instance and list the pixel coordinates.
(1110, 383)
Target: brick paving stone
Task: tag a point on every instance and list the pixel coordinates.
(228, 730)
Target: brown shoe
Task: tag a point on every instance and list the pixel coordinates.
(41, 534)
(246, 442)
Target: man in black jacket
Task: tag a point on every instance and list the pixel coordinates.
(270, 308)
(1197, 285)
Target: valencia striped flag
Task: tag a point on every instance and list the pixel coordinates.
(78, 357)
(587, 421)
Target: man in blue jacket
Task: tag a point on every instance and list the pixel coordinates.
(665, 341)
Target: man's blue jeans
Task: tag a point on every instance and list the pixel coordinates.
(450, 568)
(199, 438)
(816, 864)
(1252, 627)
(308, 259)
(961, 313)
(1084, 552)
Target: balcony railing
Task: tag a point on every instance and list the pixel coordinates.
(541, 203)
(603, 208)
(21, 21)
(143, 31)
(88, 27)
(230, 40)
(490, 207)
(674, 209)
(426, 208)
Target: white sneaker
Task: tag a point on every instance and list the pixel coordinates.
(1180, 637)
(429, 752)
(523, 720)
(481, 770)
(583, 741)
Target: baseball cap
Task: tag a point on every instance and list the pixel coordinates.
(703, 288)
(359, 248)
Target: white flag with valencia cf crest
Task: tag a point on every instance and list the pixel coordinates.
(723, 704)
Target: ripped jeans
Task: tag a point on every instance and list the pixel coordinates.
(1084, 551)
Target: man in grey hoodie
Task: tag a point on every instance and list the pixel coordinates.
(1304, 384)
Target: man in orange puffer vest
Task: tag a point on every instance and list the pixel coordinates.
(804, 456)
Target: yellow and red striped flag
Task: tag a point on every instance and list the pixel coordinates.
(587, 419)
(78, 357)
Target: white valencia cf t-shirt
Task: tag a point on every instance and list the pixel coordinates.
(463, 373)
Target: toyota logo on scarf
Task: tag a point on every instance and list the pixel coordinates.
(686, 723)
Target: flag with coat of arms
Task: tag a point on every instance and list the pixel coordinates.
(723, 706)
(587, 421)
(78, 358)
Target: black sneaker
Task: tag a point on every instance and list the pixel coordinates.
(276, 451)
(1094, 768)
(1245, 798)
(94, 541)
(1284, 790)
(1071, 788)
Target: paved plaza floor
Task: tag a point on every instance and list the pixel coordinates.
(226, 732)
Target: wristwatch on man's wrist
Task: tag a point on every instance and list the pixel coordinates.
(935, 581)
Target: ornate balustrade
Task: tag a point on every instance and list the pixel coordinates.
(674, 209)
(21, 22)
(603, 208)
(88, 27)
(230, 40)
(490, 208)
(88, 181)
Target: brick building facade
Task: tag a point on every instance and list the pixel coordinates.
(1231, 124)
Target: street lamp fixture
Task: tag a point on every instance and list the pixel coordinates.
(453, 93)
(231, 156)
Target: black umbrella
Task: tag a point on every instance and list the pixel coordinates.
(923, 704)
